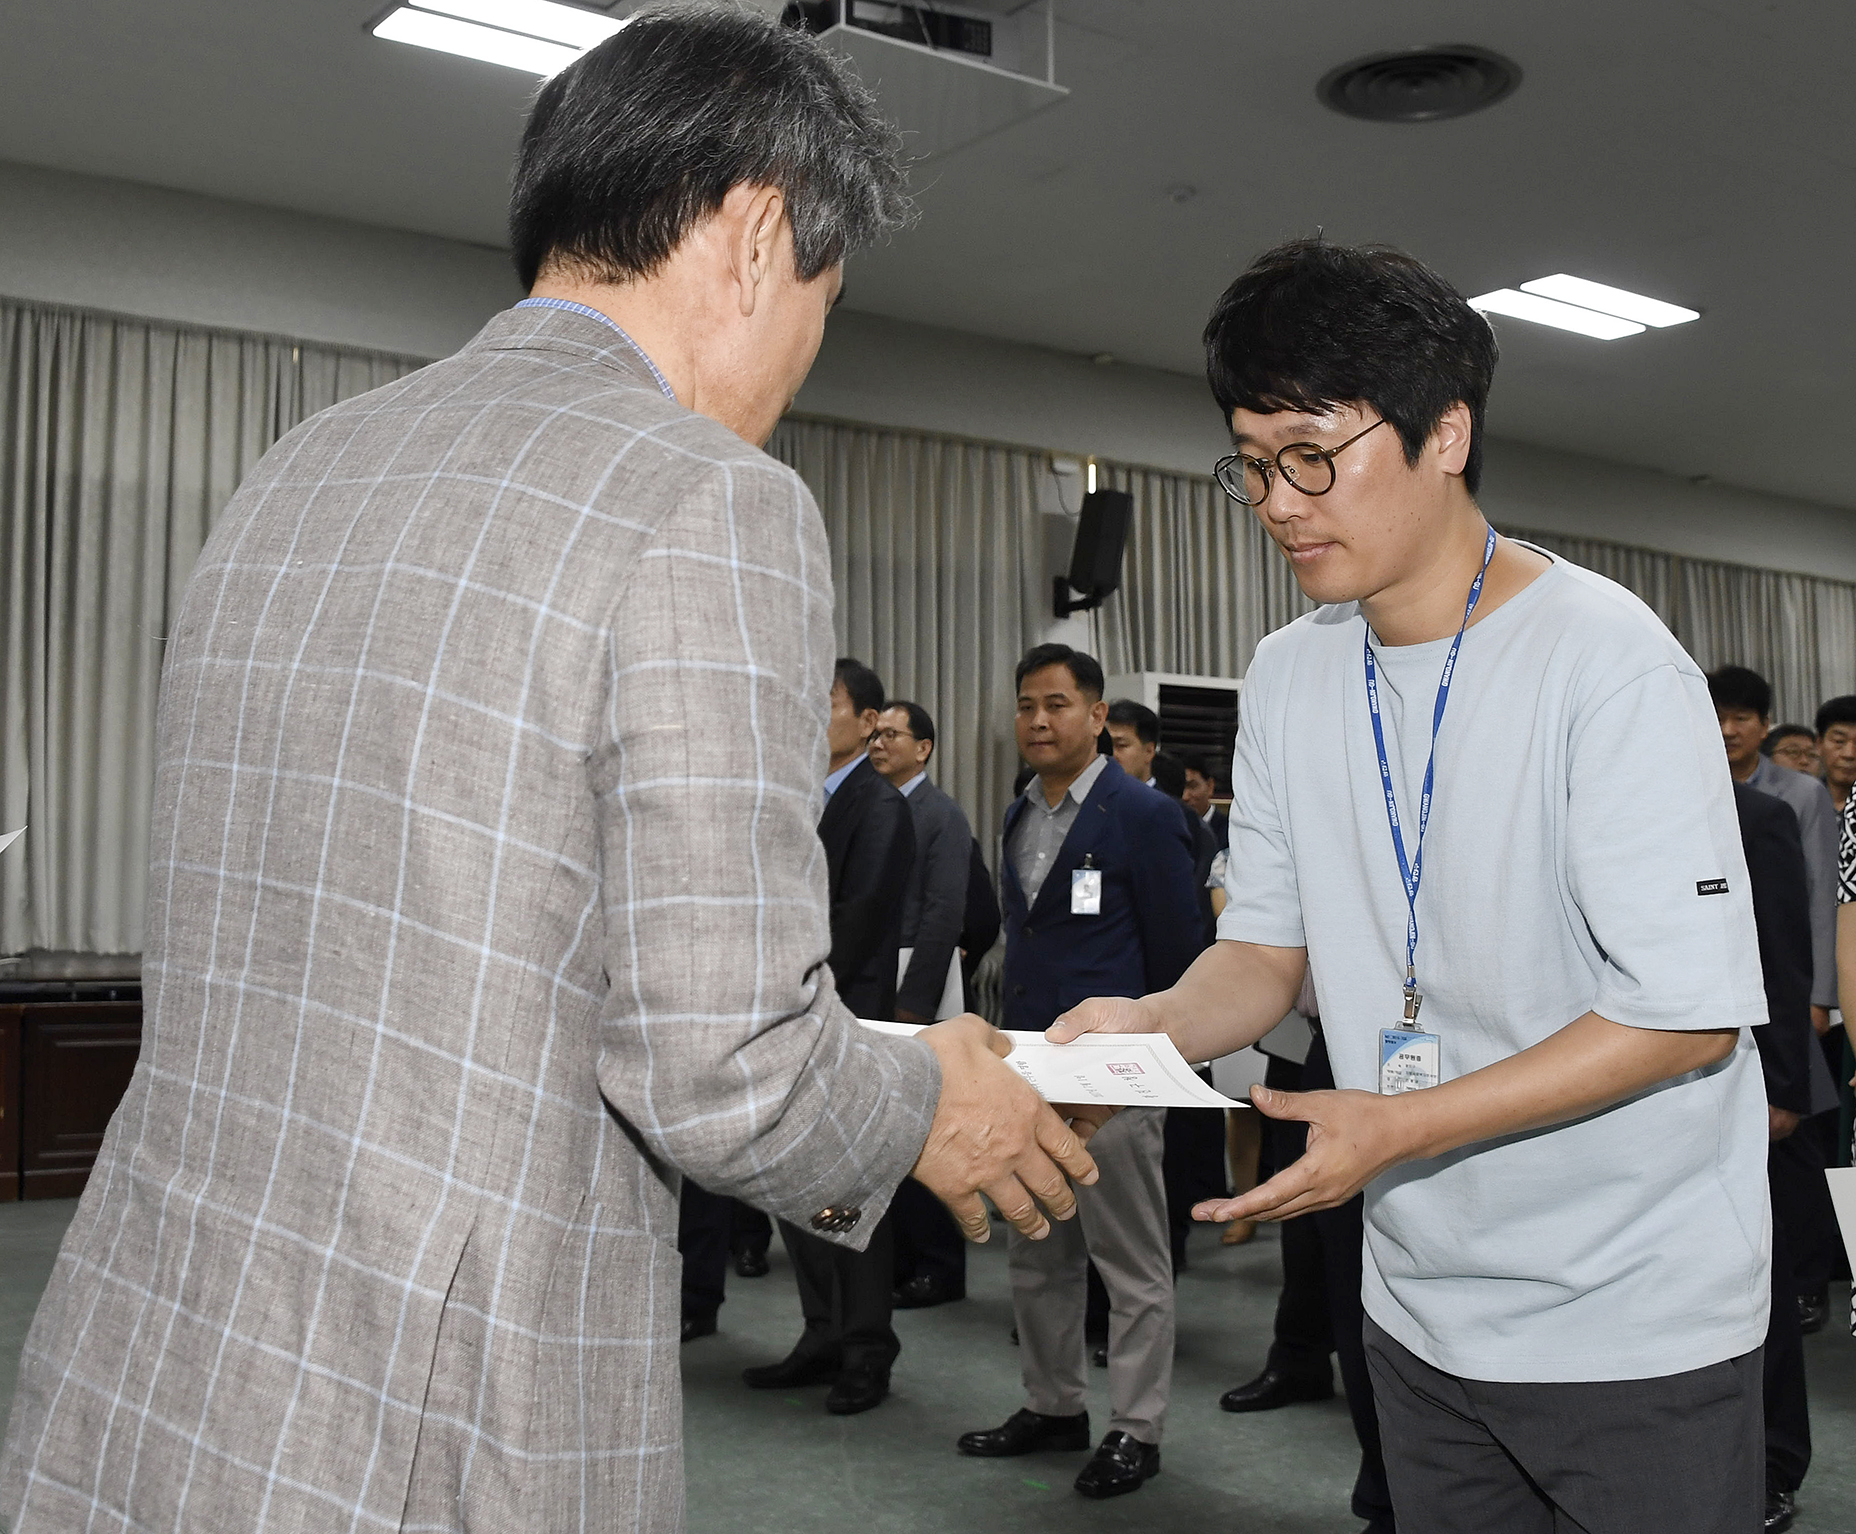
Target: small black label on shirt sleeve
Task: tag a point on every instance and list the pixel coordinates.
(1710, 886)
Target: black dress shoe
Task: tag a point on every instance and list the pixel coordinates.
(751, 1264)
(698, 1326)
(923, 1290)
(1119, 1466)
(1814, 1311)
(803, 1366)
(1027, 1432)
(1780, 1511)
(1273, 1388)
(858, 1387)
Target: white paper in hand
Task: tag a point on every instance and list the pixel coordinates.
(1843, 1198)
(1126, 1070)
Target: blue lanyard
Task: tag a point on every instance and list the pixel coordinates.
(1413, 871)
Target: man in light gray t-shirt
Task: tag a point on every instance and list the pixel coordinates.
(1479, 793)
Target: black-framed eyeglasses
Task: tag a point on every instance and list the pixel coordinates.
(1308, 466)
(890, 737)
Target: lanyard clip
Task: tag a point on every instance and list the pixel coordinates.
(1414, 999)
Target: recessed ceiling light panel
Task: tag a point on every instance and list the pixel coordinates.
(1608, 300)
(1547, 311)
(538, 37)
(1417, 85)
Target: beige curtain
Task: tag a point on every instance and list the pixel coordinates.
(120, 441)
(938, 562)
(1201, 582)
(1797, 631)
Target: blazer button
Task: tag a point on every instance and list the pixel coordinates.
(836, 1221)
(1018, 990)
(1030, 931)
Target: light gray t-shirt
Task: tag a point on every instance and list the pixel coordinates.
(1583, 856)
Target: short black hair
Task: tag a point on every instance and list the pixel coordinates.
(641, 138)
(1085, 670)
(863, 685)
(1169, 775)
(1194, 761)
(1138, 717)
(1836, 711)
(921, 722)
(1311, 326)
(1781, 732)
(1737, 687)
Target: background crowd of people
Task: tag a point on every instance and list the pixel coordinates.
(915, 909)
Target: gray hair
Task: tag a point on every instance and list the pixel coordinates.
(641, 138)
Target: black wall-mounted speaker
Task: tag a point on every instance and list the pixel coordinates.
(1095, 558)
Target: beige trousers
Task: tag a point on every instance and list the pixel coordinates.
(1121, 1224)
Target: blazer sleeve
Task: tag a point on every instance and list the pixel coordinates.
(877, 863)
(1781, 909)
(942, 866)
(979, 927)
(1166, 897)
(1817, 830)
(723, 1045)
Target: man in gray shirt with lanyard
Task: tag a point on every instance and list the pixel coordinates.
(1479, 793)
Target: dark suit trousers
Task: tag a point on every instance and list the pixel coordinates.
(1788, 1411)
(846, 1295)
(928, 1242)
(704, 1220)
(1320, 1308)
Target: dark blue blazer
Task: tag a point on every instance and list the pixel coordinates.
(1149, 931)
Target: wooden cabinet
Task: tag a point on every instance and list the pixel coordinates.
(72, 1063)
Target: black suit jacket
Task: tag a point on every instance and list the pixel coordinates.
(869, 840)
(1782, 914)
(1149, 928)
(979, 928)
(1220, 826)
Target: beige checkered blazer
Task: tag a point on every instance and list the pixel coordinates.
(485, 898)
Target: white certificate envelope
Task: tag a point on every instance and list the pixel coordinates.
(1128, 1070)
(1843, 1197)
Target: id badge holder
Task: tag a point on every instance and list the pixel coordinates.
(1086, 890)
(1409, 1060)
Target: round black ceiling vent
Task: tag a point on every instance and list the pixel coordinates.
(1419, 85)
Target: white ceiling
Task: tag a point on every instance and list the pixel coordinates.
(1701, 152)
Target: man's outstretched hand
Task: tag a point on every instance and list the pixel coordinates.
(993, 1134)
(1352, 1138)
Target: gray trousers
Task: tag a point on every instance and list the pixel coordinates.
(1683, 1454)
(1121, 1224)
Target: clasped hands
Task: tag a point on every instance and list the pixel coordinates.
(1352, 1136)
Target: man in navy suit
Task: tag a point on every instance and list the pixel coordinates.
(1099, 900)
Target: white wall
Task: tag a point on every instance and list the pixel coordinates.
(142, 250)
(894, 374)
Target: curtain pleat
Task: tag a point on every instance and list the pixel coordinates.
(120, 441)
(937, 563)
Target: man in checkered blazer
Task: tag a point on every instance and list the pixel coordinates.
(476, 918)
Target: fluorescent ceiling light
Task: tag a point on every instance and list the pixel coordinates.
(565, 24)
(1547, 311)
(538, 37)
(1595, 295)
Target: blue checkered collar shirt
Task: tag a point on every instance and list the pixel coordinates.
(593, 314)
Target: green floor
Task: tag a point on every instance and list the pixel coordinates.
(778, 1463)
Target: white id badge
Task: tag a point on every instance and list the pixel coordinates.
(1086, 892)
(1407, 1060)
